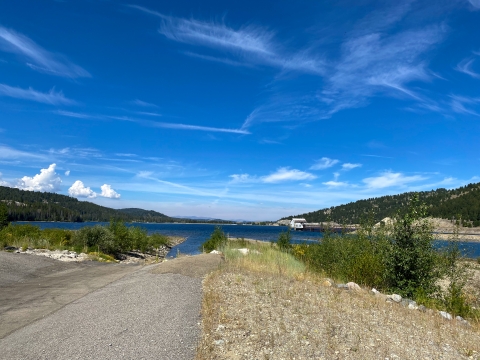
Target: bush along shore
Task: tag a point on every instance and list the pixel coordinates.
(379, 293)
(114, 242)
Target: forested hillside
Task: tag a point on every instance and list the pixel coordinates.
(146, 215)
(442, 203)
(44, 206)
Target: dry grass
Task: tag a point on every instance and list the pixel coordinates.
(265, 306)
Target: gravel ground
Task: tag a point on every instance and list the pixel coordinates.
(144, 315)
(262, 316)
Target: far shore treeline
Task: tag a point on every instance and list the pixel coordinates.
(25, 205)
(461, 203)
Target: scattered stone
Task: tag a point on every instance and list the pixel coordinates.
(410, 304)
(342, 286)
(445, 315)
(374, 291)
(215, 252)
(220, 328)
(394, 297)
(10, 248)
(353, 286)
(462, 321)
(413, 306)
(219, 342)
(422, 308)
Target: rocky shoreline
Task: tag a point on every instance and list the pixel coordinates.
(130, 257)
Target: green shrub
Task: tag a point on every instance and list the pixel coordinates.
(284, 241)
(123, 239)
(412, 262)
(157, 240)
(98, 238)
(217, 240)
(348, 258)
(138, 238)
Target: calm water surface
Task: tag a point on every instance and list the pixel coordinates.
(196, 234)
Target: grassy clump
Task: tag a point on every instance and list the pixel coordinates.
(263, 258)
(111, 240)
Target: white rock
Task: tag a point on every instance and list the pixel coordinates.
(445, 315)
(353, 286)
(374, 291)
(215, 252)
(394, 297)
(244, 251)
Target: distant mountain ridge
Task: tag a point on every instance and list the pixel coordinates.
(462, 202)
(26, 205)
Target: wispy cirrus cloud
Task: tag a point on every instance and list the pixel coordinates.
(198, 128)
(9, 153)
(52, 97)
(459, 104)
(151, 123)
(143, 103)
(72, 114)
(475, 3)
(37, 57)
(324, 163)
(465, 66)
(372, 60)
(247, 45)
(376, 63)
(282, 174)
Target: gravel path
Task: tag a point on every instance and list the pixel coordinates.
(148, 314)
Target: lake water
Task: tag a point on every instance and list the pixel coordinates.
(196, 234)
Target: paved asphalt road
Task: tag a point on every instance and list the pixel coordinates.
(150, 313)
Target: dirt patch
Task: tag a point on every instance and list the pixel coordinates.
(194, 266)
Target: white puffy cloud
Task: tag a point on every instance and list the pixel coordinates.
(350, 166)
(48, 180)
(323, 163)
(108, 192)
(286, 174)
(67, 173)
(389, 179)
(78, 189)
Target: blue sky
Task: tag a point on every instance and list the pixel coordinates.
(238, 110)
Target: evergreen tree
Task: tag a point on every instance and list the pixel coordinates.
(3, 215)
